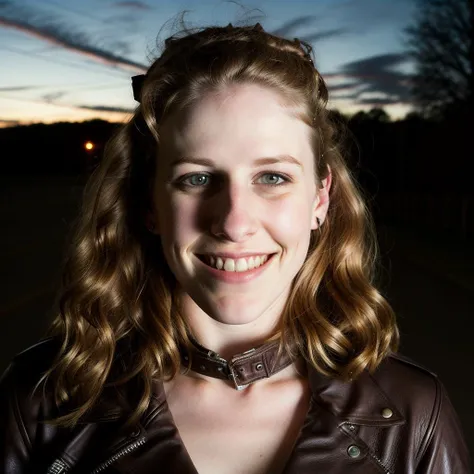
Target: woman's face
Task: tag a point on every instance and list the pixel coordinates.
(235, 178)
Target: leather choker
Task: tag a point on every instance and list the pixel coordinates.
(242, 369)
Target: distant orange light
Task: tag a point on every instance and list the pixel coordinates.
(89, 146)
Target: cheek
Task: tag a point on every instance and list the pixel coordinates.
(177, 231)
(177, 218)
(290, 219)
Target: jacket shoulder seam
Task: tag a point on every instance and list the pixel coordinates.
(432, 423)
(19, 421)
(407, 361)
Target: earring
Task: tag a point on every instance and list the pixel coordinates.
(318, 220)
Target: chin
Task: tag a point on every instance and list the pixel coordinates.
(229, 311)
(234, 319)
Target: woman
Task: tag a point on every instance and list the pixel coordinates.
(218, 314)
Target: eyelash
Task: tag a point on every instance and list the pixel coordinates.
(286, 179)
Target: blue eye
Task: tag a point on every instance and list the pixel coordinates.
(277, 180)
(195, 180)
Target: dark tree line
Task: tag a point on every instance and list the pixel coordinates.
(55, 149)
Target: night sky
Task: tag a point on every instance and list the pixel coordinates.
(72, 61)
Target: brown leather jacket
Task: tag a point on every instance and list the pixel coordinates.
(398, 420)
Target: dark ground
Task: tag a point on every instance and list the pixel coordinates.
(428, 280)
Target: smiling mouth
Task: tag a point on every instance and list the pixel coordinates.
(239, 265)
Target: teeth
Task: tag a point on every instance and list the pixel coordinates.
(229, 265)
(240, 265)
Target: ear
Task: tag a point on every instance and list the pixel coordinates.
(321, 201)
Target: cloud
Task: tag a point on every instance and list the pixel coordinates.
(325, 34)
(378, 102)
(376, 63)
(344, 86)
(374, 80)
(29, 21)
(52, 96)
(18, 88)
(134, 5)
(105, 108)
(292, 26)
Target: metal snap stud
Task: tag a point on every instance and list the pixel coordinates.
(186, 358)
(241, 369)
(387, 413)
(353, 451)
(351, 427)
(202, 367)
(259, 366)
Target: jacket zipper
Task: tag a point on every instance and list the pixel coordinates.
(127, 450)
(379, 463)
(59, 466)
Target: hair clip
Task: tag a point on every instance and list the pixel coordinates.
(306, 50)
(137, 85)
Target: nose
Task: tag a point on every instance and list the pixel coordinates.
(233, 213)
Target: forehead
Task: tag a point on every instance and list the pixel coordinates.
(239, 123)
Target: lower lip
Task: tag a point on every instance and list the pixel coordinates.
(237, 277)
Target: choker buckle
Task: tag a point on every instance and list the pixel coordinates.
(234, 378)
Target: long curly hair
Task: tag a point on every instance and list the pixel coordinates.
(117, 301)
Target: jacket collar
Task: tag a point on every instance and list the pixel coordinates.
(361, 401)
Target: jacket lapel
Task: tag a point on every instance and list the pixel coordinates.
(360, 402)
(328, 440)
(163, 450)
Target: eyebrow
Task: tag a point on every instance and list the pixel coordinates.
(258, 162)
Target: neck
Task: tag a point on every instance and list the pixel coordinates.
(230, 339)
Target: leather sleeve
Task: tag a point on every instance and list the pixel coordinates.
(15, 444)
(444, 450)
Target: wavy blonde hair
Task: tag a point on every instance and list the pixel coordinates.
(117, 318)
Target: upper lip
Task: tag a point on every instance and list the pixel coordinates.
(235, 255)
